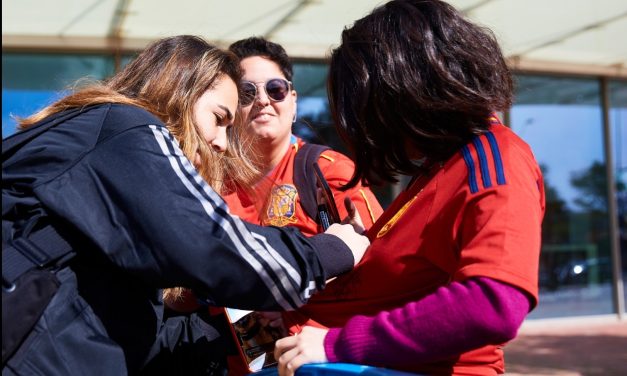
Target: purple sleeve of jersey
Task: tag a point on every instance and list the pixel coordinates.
(454, 319)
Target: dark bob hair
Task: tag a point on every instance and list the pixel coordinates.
(414, 75)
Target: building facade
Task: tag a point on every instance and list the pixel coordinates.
(576, 125)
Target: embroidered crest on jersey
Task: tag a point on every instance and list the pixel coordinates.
(282, 206)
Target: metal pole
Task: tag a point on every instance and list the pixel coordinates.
(115, 32)
(617, 273)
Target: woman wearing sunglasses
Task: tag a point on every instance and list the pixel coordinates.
(268, 103)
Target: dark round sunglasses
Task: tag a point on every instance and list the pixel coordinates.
(277, 89)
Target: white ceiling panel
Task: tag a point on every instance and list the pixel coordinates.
(58, 17)
(522, 26)
(591, 47)
(558, 32)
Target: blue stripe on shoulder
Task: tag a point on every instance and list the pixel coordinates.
(483, 163)
(472, 179)
(498, 162)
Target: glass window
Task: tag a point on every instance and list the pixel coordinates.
(32, 81)
(618, 129)
(314, 122)
(561, 119)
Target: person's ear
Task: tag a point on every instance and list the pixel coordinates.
(295, 96)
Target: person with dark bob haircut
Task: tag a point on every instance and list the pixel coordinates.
(452, 270)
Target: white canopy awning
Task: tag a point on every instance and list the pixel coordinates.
(576, 36)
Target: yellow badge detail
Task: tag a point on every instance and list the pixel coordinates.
(388, 226)
(282, 206)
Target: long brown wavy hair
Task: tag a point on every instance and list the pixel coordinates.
(167, 79)
(415, 71)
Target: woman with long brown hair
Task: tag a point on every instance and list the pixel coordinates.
(126, 174)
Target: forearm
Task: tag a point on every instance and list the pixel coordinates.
(190, 239)
(289, 265)
(334, 255)
(454, 319)
(334, 260)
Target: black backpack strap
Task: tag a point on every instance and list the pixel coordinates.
(41, 248)
(304, 178)
(27, 286)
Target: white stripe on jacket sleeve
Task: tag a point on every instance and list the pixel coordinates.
(253, 245)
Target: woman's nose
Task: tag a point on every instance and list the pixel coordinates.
(220, 142)
(261, 97)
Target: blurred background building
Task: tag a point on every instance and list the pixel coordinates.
(569, 58)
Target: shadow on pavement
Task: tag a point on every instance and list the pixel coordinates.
(592, 355)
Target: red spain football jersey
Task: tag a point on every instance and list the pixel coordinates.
(277, 202)
(477, 215)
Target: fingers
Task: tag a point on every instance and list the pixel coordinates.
(284, 351)
(293, 364)
(353, 218)
(288, 362)
(283, 345)
(306, 347)
(351, 209)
